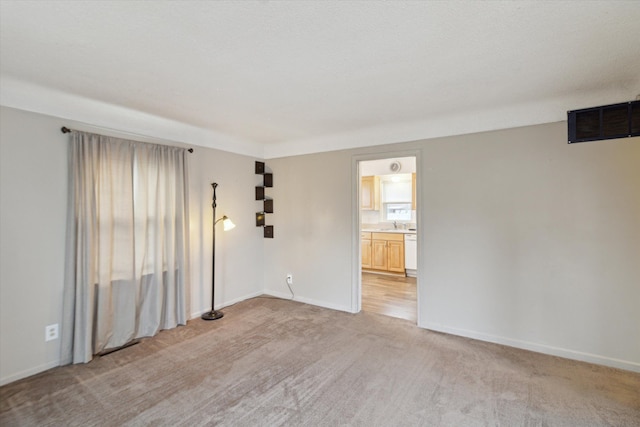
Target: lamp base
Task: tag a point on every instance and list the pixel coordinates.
(212, 315)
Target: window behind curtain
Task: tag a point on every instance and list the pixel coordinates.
(127, 243)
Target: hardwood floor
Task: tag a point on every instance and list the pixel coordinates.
(389, 295)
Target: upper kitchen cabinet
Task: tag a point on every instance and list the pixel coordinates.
(370, 193)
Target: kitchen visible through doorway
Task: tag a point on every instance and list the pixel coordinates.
(388, 236)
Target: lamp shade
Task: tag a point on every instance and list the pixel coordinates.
(227, 224)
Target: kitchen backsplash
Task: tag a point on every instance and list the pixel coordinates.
(373, 218)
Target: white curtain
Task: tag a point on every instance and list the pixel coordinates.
(127, 243)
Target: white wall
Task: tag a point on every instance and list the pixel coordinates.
(239, 252)
(312, 228)
(524, 239)
(33, 197)
(534, 243)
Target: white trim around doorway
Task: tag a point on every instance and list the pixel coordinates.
(356, 255)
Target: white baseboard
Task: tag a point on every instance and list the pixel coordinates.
(309, 301)
(28, 372)
(538, 348)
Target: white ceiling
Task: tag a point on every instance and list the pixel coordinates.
(277, 78)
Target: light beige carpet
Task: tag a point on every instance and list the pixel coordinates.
(272, 362)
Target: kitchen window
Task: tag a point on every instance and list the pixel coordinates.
(396, 197)
(397, 211)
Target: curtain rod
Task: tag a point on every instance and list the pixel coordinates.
(65, 129)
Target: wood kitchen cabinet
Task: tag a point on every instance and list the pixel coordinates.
(365, 239)
(379, 256)
(370, 193)
(395, 256)
(385, 252)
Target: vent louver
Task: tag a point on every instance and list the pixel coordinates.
(605, 122)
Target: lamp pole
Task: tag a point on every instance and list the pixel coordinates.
(213, 314)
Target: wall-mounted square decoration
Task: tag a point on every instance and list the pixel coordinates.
(267, 204)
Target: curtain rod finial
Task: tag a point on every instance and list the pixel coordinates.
(65, 129)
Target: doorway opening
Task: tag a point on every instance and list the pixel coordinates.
(388, 229)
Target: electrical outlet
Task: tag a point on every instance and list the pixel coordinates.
(289, 279)
(51, 332)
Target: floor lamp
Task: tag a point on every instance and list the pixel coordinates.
(227, 225)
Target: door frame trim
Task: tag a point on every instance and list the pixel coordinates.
(356, 252)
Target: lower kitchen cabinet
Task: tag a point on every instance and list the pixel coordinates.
(383, 252)
(365, 239)
(395, 258)
(379, 256)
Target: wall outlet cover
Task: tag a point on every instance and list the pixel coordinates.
(51, 332)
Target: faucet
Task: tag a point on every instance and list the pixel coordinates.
(395, 225)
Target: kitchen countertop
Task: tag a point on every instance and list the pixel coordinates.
(380, 230)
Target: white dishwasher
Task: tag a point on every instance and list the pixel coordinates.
(410, 254)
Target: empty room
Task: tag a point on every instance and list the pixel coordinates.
(320, 213)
